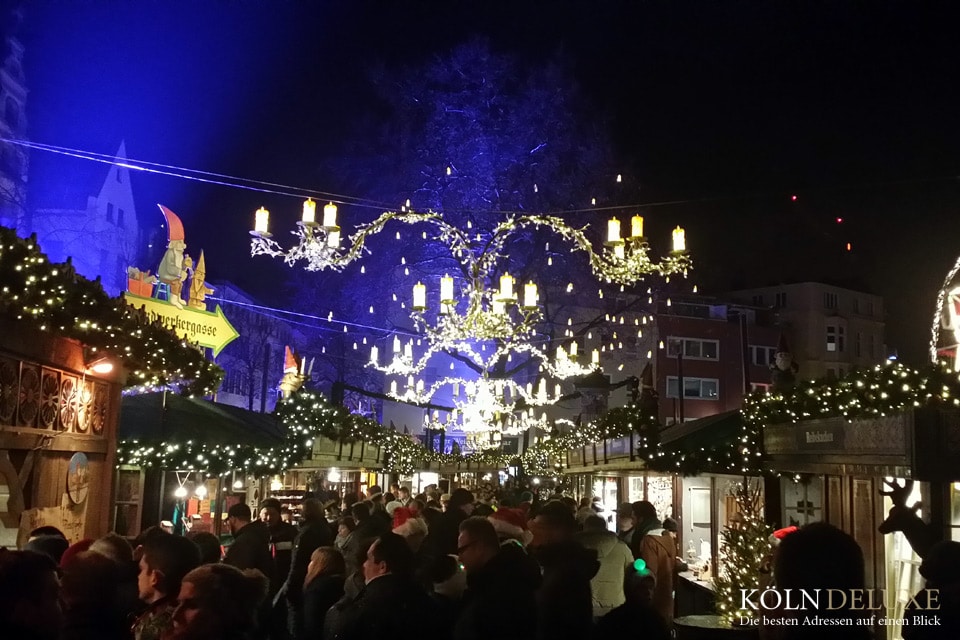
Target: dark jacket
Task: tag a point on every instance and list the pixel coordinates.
(499, 601)
(251, 550)
(631, 620)
(312, 536)
(388, 607)
(282, 538)
(564, 602)
(442, 537)
(365, 531)
(322, 593)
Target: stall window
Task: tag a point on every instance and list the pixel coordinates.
(802, 500)
(903, 564)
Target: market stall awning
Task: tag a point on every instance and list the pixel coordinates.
(169, 416)
(716, 430)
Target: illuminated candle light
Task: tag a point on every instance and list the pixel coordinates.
(506, 286)
(408, 351)
(374, 354)
(261, 221)
(595, 358)
(446, 289)
(573, 349)
(393, 387)
(613, 230)
(330, 215)
(619, 252)
(309, 211)
(499, 307)
(636, 226)
(419, 296)
(679, 240)
(396, 344)
(530, 295)
(333, 239)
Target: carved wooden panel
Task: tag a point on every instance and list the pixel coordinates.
(49, 398)
(68, 402)
(835, 501)
(99, 406)
(9, 389)
(29, 408)
(84, 405)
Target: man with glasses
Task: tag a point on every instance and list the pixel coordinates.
(499, 578)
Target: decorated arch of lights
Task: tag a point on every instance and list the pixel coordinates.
(481, 317)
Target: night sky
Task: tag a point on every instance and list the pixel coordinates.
(720, 111)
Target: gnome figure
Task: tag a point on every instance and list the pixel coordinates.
(171, 266)
(649, 399)
(198, 286)
(293, 374)
(783, 369)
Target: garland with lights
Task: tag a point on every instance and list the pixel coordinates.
(54, 298)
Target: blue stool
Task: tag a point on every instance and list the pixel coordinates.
(162, 288)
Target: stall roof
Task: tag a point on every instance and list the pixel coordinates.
(718, 429)
(169, 416)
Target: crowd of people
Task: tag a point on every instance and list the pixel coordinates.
(392, 565)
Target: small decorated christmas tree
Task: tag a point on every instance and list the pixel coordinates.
(744, 550)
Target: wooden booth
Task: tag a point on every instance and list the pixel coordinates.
(58, 426)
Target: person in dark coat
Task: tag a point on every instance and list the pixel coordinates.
(29, 606)
(390, 604)
(444, 531)
(637, 616)
(367, 529)
(314, 533)
(90, 594)
(564, 601)
(251, 550)
(501, 581)
(322, 588)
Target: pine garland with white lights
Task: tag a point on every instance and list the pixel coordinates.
(55, 299)
(744, 547)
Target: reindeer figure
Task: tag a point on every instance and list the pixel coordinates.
(918, 533)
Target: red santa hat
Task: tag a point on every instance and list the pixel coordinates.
(406, 523)
(290, 362)
(780, 534)
(174, 226)
(511, 523)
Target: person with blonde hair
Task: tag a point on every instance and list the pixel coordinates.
(322, 588)
(218, 602)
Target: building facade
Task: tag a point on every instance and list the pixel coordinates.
(13, 122)
(831, 330)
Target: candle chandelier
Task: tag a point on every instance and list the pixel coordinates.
(491, 330)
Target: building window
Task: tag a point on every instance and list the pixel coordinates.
(694, 349)
(119, 177)
(697, 388)
(758, 301)
(780, 300)
(759, 386)
(872, 346)
(857, 345)
(856, 305)
(120, 218)
(762, 356)
(835, 339)
(110, 212)
(830, 301)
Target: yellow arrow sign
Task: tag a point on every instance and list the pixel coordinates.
(208, 329)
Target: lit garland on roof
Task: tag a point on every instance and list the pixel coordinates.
(53, 298)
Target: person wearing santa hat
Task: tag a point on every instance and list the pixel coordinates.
(171, 269)
(511, 524)
(409, 524)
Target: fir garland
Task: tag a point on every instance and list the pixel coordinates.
(54, 298)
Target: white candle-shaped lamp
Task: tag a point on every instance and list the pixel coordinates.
(556, 392)
(619, 252)
(333, 239)
(419, 386)
(561, 354)
(499, 308)
(419, 296)
(396, 344)
(456, 389)
(374, 354)
(393, 387)
(530, 295)
(408, 350)
(309, 211)
(506, 286)
(573, 349)
(613, 230)
(261, 221)
(446, 289)
(330, 215)
(679, 240)
(595, 359)
(636, 227)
